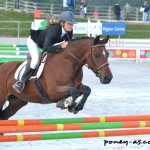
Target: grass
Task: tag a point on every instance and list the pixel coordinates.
(137, 31)
(15, 15)
(11, 27)
(141, 31)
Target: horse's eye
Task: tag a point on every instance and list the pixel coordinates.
(96, 55)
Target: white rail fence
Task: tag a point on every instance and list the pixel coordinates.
(24, 26)
(105, 12)
(17, 26)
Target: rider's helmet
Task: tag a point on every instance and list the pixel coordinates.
(67, 16)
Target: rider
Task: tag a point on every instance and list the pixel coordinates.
(46, 39)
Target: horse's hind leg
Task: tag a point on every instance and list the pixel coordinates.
(0, 113)
(14, 105)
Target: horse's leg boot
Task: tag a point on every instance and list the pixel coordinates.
(19, 85)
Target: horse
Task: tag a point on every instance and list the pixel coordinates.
(61, 79)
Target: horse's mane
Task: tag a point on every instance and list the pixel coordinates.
(81, 38)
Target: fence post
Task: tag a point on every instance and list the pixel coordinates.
(51, 9)
(109, 13)
(98, 28)
(138, 60)
(35, 6)
(137, 14)
(6, 4)
(18, 29)
(25, 6)
(88, 32)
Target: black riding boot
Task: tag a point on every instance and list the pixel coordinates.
(19, 85)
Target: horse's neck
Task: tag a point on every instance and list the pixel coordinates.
(79, 48)
(76, 54)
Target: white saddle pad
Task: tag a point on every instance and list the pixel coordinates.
(21, 68)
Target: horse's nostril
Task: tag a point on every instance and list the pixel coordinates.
(107, 79)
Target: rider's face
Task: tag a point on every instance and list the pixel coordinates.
(67, 26)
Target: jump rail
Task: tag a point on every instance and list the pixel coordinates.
(71, 135)
(13, 52)
(139, 125)
(74, 120)
(76, 126)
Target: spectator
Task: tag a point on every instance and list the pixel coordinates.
(117, 11)
(145, 12)
(73, 4)
(65, 6)
(121, 15)
(127, 9)
(17, 4)
(83, 9)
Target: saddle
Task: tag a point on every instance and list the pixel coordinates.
(38, 71)
(36, 75)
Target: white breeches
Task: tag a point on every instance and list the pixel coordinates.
(33, 49)
(145, 16)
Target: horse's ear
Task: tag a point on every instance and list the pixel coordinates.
(96, 40)
(105, 40)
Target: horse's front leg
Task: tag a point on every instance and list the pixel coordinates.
(72, 93)
(86, 92)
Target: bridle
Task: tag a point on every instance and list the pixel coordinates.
(96, 69)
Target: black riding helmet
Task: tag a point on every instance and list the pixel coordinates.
(68, 17)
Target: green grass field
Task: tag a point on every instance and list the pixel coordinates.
(132, 30)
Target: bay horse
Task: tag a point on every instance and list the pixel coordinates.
(61, 78)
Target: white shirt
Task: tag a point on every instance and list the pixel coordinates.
(63, 32)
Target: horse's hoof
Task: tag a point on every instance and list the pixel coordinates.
(64, 103)
(72, 108)
(61, 105)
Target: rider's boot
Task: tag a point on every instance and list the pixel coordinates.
(19, 85)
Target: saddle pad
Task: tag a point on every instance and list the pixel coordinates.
(21, 68)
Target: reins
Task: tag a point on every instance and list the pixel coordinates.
(77, 58)
(73, 55)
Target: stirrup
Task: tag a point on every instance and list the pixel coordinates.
(19, 86)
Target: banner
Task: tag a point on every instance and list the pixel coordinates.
(113, 28)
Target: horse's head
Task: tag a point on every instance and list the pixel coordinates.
(97, 60)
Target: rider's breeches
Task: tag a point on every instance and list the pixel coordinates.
(33, 49)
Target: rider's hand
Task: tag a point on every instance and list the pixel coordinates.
(64, 44)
